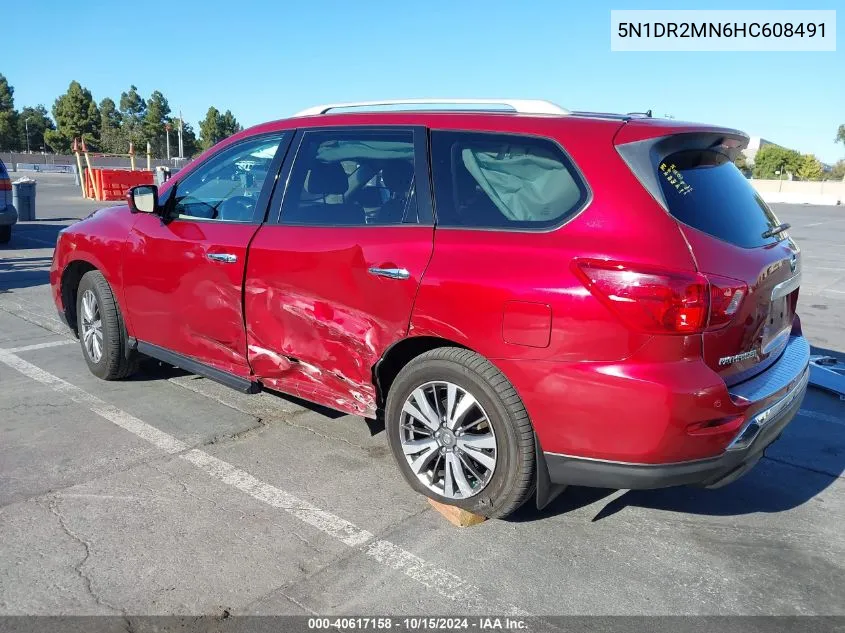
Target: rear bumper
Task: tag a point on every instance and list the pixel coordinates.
(763, 428)
(8, 215)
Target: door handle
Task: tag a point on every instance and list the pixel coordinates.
(390, 273)
(226, 258)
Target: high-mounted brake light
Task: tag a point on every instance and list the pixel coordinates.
(662, 301)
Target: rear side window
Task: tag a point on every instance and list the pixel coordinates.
(704, 190)
(502, 181)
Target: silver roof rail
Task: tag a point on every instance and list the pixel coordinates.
(522, 106)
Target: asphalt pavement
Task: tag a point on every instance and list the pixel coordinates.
(170, 494)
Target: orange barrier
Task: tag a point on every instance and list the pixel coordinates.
(112, 184)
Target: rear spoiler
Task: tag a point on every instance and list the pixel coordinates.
(644, 154)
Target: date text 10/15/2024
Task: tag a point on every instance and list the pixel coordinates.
(419, 623)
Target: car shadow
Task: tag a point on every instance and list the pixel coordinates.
(36, 234)
(23, 272)
(152, 369)
(807, 459)
(305, 404)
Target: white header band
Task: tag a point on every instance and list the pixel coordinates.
(681, 30)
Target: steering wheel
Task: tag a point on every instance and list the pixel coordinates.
(238, 208)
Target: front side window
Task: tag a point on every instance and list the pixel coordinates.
(226, 188)
(352, 178)
(502, 181)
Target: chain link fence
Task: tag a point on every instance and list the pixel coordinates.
(12, 158)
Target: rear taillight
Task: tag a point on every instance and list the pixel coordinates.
(5, 184)
(726, 296)
(662, 301)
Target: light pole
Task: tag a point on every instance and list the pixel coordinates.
(167, 136)
(26, 125)
(181, 147)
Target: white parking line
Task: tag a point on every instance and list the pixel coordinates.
(35, 346)
(386, 553)
(160, 439)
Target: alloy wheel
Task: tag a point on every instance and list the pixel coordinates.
(447, 440)
(92, 326)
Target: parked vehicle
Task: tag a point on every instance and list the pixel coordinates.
(8, 214)
(530, 298)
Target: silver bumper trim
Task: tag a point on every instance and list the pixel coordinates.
(794, 359)
(752, 428)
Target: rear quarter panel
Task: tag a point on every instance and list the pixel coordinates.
(474, 273)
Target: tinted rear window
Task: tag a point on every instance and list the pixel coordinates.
(504, 181)
(704, 190)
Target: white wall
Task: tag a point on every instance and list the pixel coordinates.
(827, 192)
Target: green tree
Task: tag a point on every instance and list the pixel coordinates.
(37, 121)
(112, 139)
(7, 95)
(9, 139)
(229, 124)
(76, 116)
(810, 168)
(133, 108)
(772, 159)
(741, 162)
(154, 121)
(840, 133)
(837, 172)
(210, 131)
(215, 127)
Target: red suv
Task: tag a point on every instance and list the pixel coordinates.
(530, 297)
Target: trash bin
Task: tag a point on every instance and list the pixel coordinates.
(162, 175)
(23, 198)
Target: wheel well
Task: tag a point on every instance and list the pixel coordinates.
(399, 355)
(71, 277)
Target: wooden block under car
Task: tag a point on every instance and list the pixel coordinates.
(457, 516)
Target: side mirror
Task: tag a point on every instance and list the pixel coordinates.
(143, 199)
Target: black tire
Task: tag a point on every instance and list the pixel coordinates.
(5, 234)
(117, 361)
(513, 478)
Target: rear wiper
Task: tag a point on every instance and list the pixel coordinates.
(780, 228)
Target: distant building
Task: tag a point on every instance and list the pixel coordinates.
(755, 143)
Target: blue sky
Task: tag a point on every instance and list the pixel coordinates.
(266, 59)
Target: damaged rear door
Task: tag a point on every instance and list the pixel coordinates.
(332, 277)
